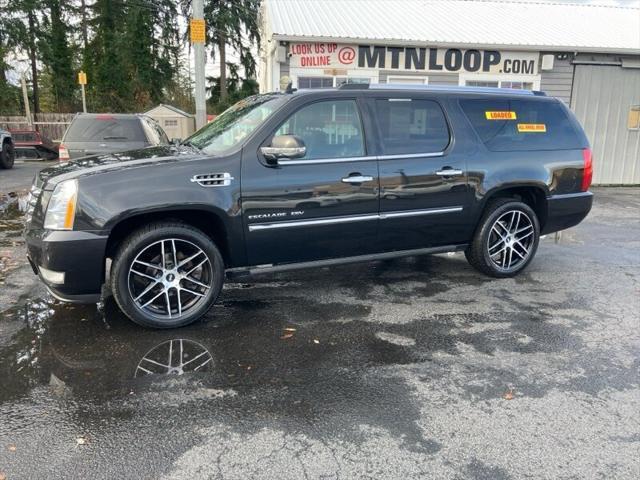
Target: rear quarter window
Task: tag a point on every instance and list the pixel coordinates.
(506, 125)
(105, 129)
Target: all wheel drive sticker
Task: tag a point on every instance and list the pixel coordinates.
(522, 127)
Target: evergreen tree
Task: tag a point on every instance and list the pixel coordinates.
(108, 89)
(151, 53)
(56, 56)
(26, 39)
(11, 30)
(232, 23)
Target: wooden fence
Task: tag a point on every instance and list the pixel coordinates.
(51, 125)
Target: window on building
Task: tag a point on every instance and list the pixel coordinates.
(409, 80)
(517, 85)
(478, 83)
(513, 125)
(633, 120)
(500, 84)
(171, 123)
(330, 129)
(411, 126)
(315, 82)
(343, 80)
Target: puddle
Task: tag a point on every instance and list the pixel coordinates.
(247, 342)
(12, 206)
(251, 358)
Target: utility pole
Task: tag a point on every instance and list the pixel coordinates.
(25, 98)
(197, 29)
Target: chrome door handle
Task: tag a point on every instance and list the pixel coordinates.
(449, 172)
(357, 179)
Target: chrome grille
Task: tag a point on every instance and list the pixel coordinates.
(213, 179)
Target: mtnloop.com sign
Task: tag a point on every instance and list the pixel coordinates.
(453, 60)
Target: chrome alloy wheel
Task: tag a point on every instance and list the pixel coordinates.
(511, 239)
(170, 278)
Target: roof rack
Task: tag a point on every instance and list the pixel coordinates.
(438, 88)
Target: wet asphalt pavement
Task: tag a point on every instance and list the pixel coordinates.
(412, 368)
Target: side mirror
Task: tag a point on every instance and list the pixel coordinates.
(284, 146)
(175, 141)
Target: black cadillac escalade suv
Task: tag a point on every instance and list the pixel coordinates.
(311, 178)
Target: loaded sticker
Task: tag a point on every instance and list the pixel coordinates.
(532, 127)
(500, 115)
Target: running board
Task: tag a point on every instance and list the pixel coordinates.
(270, 268)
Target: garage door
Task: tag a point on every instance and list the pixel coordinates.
(602, 99)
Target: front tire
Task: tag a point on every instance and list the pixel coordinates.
(167, 275)
(7, 155)
(506, 239)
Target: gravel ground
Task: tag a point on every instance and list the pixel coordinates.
(411, 368)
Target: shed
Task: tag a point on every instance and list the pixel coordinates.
(175, 122)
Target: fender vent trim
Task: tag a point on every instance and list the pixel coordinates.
(212, 179)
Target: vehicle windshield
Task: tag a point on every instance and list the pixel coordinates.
(236, 123)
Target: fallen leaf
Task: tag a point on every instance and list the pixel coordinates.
(81, 441)
(3, 476)
(286, 335)
(316, 341)
(508, 395)
(289, 329)
(12, 448)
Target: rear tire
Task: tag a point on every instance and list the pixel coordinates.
(7, 156)
(167, 275)
(506, 239)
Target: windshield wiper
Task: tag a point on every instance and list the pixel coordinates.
(114, 138)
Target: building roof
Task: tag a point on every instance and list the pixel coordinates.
(172, 108)
(526, 25)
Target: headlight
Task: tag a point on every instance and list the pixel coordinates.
(61, 211)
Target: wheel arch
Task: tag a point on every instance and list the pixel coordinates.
(534, 195)
(209, 222)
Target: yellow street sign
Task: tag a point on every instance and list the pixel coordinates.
(82, 78)
(197, 29)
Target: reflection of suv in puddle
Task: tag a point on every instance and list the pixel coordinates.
(488, 172)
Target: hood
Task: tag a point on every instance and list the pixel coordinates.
(96, 164)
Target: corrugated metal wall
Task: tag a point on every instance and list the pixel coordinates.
(602, 96)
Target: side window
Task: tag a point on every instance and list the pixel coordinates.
(329, 129)
(506, 125)
(411, 126)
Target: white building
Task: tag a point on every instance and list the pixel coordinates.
(586, 55)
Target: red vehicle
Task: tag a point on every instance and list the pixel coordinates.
(31, 144)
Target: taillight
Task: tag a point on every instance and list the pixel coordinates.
(587, 174)
(63, 153)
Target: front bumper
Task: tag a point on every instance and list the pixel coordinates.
(565, 211)
(80, 256)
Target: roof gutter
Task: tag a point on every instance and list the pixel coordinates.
(404, 43)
